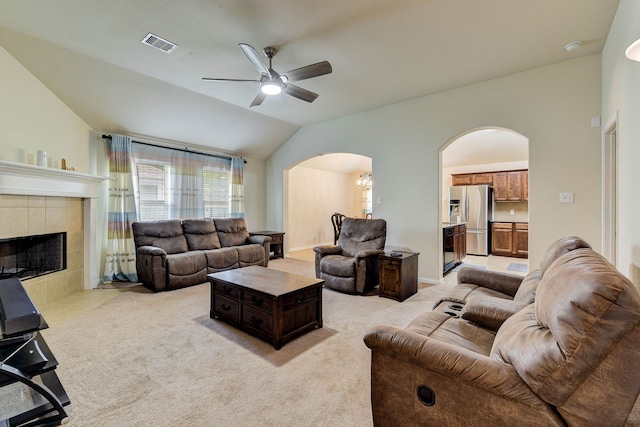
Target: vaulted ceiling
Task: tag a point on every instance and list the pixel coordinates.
(90, 55)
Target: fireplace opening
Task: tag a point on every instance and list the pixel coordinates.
(32, 256)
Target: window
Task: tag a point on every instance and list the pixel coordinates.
(177, 184)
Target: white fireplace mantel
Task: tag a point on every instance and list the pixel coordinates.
(29, 180)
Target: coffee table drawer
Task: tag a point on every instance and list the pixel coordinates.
(301, 298)
(227, 307)
(257, 319)
(256, 299)
(227, 290)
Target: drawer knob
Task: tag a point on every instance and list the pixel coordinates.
(256, 300)
(225, 307)
(227, 289)
(256, 321)
(301, 299)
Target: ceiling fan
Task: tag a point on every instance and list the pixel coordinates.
(272, 83)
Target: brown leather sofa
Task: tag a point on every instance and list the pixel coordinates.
(570, 358)
(352, 265)
(173, 254)
(488, 298)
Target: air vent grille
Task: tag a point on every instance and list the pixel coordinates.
(159, 43)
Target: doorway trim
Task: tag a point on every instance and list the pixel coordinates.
(610, 190)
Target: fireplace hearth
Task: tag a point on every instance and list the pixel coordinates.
(32, 256)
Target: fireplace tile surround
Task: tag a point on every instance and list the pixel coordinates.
(41, 200)
(29, 215)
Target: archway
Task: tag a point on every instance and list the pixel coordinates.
(313, 190)
(480, 156)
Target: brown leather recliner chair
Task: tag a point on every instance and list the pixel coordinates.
(571, 358)
(352, 265)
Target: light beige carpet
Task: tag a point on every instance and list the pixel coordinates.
(145, 359)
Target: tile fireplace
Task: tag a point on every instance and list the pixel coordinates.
(40, 201)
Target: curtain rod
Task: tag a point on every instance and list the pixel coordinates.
(177, 149)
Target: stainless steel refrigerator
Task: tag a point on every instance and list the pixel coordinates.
(473, 204)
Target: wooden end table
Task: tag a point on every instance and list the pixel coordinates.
(270, 304)
(277, 241)
(398, 275)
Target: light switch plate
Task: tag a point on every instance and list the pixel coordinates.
(379, 200)
(566, 197)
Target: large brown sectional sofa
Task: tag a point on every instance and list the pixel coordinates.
(559, 348)
(173, 254)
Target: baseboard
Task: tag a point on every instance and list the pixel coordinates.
(302, 248)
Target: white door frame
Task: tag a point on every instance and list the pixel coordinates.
(610, 190)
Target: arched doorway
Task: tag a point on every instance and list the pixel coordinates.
(496, 157)
(313, 190)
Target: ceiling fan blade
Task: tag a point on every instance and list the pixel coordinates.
(253, 56)
(310, 71)
(211, 79)
(298, 92)
(258, 99)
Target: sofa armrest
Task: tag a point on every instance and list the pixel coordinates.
(458, 363)
(322, 251)
(501, 282)
(265, 241)
(151, 265)
(152, 251)
(490, 312)
(259, 239)
(368, 253)
(327, 250)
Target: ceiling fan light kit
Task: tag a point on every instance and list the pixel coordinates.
(271, 88)
(272, 83)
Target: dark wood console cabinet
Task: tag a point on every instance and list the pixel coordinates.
(398, 275)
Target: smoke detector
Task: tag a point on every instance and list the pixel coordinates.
(159, 43)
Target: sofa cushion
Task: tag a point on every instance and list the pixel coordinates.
(164, 234)
(186, 263)
(221, 259)
(559, 248)
(583, 307)
(444, 327)
(231, 231)
(250, 254)
(338, 265)
(200, 234)
(527, 290)
(362, 234)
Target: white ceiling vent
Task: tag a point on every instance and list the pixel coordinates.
(159, 43)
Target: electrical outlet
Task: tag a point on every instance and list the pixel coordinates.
(566, 197)
(379, 200)
(512, 212)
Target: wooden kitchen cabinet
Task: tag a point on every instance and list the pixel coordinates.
(510, 186)
(510, 239)
(521, 240)
(472, 179)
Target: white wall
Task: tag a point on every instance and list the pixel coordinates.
(314, 195)
(32, 118)
(621, 94)
(551, 106)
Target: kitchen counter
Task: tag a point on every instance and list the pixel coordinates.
(452, 224)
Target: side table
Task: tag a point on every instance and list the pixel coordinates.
(398, 275)
(277, 241)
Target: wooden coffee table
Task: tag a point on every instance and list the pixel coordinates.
(270, 304)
